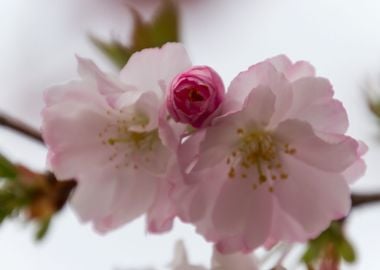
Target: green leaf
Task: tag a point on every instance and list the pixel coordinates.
(162, 29)
(7, 169)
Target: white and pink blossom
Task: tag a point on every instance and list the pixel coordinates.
(218, 261)
(276, 166)
(105, 132)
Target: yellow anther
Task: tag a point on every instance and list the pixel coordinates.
(259, 151)
(240, 131)
(262, 179)
(111, 141)
(231, 172)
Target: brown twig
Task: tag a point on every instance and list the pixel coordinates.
(20, 127)
(362, 199)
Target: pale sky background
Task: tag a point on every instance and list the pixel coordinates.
(38, 41)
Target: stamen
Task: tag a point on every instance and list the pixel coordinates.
(258, 151)
(231, 172)
(125, 142)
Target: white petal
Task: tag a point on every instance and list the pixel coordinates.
(146, 69)
(313, 198)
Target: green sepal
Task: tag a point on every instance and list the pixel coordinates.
(333, 235)
(43, 228)
(7, 169)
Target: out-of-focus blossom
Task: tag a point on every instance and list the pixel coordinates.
(104, 131)
(276, 166)
(195, 96)
(218, 262)
(235, 261)
(181, 261)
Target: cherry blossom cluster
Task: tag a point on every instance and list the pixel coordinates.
(265, 161)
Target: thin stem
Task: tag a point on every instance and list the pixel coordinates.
(285, 253)
(20, 127)
(362, 199)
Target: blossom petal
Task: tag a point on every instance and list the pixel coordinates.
(83, 197)
(299, 70)
(146, 106)
(219, 141)
(292, 71)
(133, 197)
(145, 69)
(105, 84)
(333, 157)
(259, 105)
(317, 190)
(242, 211)
(281, 62)
(70, 129)
(162, 212)
(356, 170)
(263, 73)
(313, 103)
(232, 206)
(284, 227)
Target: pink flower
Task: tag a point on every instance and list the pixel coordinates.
(104, 131)
(276, 166)
(195, 96)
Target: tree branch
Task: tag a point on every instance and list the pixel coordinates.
(362, 199)
(20, 127)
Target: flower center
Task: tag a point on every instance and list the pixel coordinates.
(257, 153)
(194, 95)
(126, 143)
(137, 140)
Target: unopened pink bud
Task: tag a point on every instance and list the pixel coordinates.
(195, 96)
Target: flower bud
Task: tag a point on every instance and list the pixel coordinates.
(195, 96)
